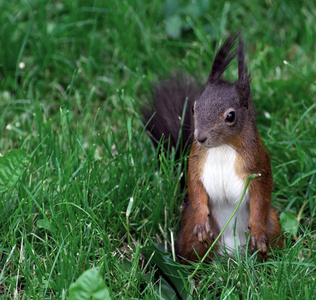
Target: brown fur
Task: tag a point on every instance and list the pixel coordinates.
(188, 245)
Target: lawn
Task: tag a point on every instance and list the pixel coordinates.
(74, 76)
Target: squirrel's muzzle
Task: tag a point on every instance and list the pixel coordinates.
(201, 137)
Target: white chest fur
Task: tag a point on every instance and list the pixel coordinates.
(224, 189)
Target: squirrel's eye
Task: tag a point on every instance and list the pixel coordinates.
(230, 118)
(192, 109)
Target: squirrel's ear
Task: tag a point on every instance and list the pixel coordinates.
(243, 83)
(222, 59)
(243, 89)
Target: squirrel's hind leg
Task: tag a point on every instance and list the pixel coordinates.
(273, 229)
(188, 246)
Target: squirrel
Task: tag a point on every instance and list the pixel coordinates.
(219, 126)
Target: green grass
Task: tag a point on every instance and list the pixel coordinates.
(73, 105)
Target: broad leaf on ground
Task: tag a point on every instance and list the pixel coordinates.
(289, 223)
(90, 285)
(170, 270)
(12, 166)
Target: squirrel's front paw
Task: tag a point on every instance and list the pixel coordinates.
(260, 242)
(203, 231)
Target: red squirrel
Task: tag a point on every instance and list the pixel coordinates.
(225, 149)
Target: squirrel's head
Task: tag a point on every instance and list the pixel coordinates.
(224, 107)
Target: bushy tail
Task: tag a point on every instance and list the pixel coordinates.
(171, 114)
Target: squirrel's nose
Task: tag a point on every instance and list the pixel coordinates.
(200, 137)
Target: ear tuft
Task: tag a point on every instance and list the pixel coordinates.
(243, 83)
(223, 57)
(243, 90)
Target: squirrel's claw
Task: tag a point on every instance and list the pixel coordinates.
(260, 242)
(203, 231)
